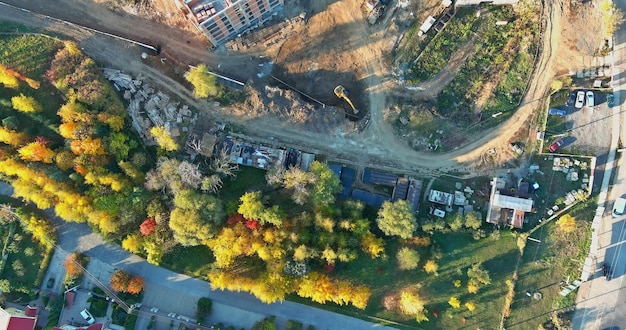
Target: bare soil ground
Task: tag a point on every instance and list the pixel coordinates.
(336, 47)
(326, 53)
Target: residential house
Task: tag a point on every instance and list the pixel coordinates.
(12, 318)
(507, 209)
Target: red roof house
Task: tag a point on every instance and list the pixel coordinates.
(17, 319)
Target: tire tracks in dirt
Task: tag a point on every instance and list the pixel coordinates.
(378, 145)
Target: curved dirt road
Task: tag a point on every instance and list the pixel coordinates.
(377, 146)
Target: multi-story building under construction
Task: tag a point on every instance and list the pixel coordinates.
(222, 20)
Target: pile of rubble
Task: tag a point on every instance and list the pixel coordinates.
(148, 107)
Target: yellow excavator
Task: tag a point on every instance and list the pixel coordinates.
(342, 93)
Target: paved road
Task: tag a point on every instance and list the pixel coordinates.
(79, 237)
(601, 304)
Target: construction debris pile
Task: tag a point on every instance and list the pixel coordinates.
(570, 168)
(149, 108)
(289, 106)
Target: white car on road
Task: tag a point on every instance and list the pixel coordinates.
(580, 100)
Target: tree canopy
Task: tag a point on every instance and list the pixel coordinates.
(397, 219)
(204, 84)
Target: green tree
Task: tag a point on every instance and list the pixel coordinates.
(397, 219)
(407, 258)
(473, 220)
(203, 83)
(204, 309)
(325, 186)
(195, 217)
(26, 104)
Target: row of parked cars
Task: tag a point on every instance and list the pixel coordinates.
(580, 99)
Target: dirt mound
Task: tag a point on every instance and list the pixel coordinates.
(289, 107)
(324, 54)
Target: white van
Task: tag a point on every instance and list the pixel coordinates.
(619, 207)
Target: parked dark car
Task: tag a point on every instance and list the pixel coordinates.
(571, 100)
(607, 271)
(50, 283)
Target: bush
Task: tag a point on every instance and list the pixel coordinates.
(204, 309)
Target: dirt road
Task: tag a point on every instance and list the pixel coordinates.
(376, 146)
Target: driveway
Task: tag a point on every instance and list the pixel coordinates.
(78, 237)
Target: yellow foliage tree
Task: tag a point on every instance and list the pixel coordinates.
(454, 302)
(36, 152)
(431, 267)
(372, 245)
(7, 79)
(11, 137)
(566, 224)
(133, 243)
(412, 304)
(88, 146)
(26, 104)
(163, 138)
(473, 287)
(68, 130)
(470, 306)
(203, 83)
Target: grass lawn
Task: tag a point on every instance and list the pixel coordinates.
(546, 265)
(459, 252)
(31, 56)
(192, 260)
(22, 250)
(248, 179)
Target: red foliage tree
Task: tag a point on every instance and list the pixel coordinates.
(235, 219)
(252, 224)
(120, 280)
(148, 226)
(135, 285)
(42, 140)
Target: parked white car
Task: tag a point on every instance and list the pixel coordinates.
(580, 100)
(590, 101)
(87, 316)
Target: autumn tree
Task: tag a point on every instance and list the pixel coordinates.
(26, 104)
(133, 243)
(454, 302)
(470, 306)
(11, 137)
(612, 17)
(119, 280)
(566, 224)
(73, 265)
(148, 226)
(407, 258)
(397, 219)
(456, 222)
(298, 180)
(163, 138)
(135, 285)
(412, 304)
(473, 220)
(64, 160)
(477, 276)
(36, 152)
(7, 78)
(431, 267)
(372, 245)
(203, 83)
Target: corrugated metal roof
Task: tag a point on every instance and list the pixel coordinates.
(515, 203)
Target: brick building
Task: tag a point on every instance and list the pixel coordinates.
(222, 20)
